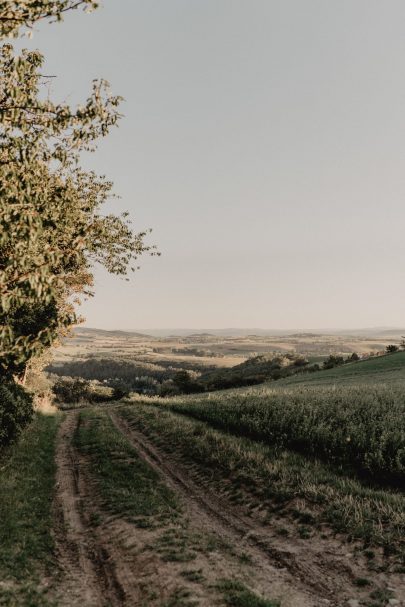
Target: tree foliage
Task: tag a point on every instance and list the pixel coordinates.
(18, 14)
(52, 228)
(15, 411)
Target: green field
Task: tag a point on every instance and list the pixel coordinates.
(389, 369)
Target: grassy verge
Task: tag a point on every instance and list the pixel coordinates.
(283, 481)
(236, 594)
(27, 476)
(128, 486)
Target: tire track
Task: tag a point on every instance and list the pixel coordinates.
(88, 573)
(206, 511)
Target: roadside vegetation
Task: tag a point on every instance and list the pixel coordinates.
(15, 411)
(285, 483)
(52, 225)
(355, 428)
(237, 595)
(27, 477)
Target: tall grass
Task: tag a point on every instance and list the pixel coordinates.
(278, 481)
(359, 427)
(27, 481)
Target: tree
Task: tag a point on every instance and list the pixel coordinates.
(51, 224)
(391, 348)
(18, 14)
(183, 381)
(333, 361)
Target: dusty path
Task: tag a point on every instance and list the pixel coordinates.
(116, 563)
(280, 571)
(112, 562)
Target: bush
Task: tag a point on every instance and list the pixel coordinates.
(184, 382)
(168, 388)
(120, 390)
(333, 361)
(16, 411)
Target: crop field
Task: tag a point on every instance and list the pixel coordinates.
(363, 430)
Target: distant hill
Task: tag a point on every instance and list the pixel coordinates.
(372, 332)
(88, 331)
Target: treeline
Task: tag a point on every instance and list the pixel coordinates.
(336, 361)
(197, 352)
(134, 373)
(155, 379)
(255, 370)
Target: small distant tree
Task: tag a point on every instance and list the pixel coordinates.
(353, 358)
(168, 388)
(333, 361)
(120, 390)
(183, 381)
(300, 362)
(391, 349)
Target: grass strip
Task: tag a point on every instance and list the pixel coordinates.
(128, 486)
(27, 477)
(235, 594)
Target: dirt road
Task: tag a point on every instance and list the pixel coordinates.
(107, 560)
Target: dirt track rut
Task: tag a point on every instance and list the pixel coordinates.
(279, 570)
(88, 576)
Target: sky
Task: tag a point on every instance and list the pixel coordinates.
(264, 143)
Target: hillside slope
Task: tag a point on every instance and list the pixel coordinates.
(389, 369)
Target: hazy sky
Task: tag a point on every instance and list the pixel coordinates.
(264, 143)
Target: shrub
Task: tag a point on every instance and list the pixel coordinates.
(70, 390)
(184, 382)
(74, 390)
(333, 361)
(168, 388)
(16, 411)
(120, 390)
